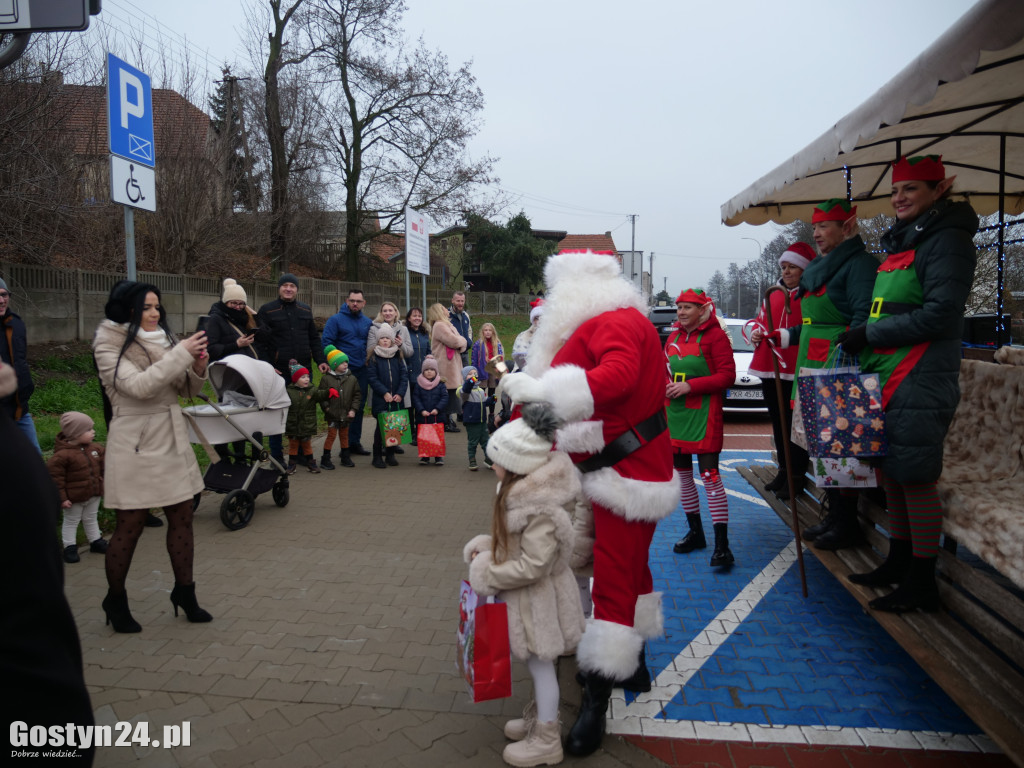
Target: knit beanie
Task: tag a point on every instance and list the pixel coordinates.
(335, 356)
(233, 292)
(3, 285)
(467, 369)
(297, 370)
(287, 277)
(429, 362)
(385, 330)
(524, 445)
(798, 254)
(73, 424)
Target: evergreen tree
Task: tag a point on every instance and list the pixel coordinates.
(241, 188)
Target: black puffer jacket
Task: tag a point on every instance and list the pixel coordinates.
(921, 409)
(14, 352)
(227, 325)
(293, 333)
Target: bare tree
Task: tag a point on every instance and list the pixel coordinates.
(401, 121)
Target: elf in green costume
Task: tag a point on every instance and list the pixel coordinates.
(835, 294)
(912, 338)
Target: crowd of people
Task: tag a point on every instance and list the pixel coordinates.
(584, 474)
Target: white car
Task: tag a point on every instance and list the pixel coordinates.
(745, 394)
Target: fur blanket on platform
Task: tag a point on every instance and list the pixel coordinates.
(982, 480)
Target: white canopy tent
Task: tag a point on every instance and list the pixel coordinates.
(963, 98)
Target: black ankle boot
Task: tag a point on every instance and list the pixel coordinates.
(346, 458)
(184, 596)
(812, 532)
(378, 459)
(694, 539)
(918, 590)
(116, 608)
(325, 461)
(777, 482)
(892, 570)
(798, 485)
(846, 531)
(640, 680)
(588, 730)
(389, 457)
(722, 555)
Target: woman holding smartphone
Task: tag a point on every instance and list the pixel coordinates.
(702, 367)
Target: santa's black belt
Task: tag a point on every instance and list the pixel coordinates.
(623, 445)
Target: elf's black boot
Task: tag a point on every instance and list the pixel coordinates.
(588, 730)
(893, 568)
(346, 458)
(640, 680)
(846, 532)
(325, 461)
(812, 532)
(694, 539)
(777, 482)
(722, 555)
(116, 608)
(918, 590)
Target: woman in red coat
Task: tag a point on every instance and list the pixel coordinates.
(701, 367)
(785, 306)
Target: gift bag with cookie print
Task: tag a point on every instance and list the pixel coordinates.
(848, 415)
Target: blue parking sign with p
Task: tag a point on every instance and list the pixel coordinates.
(130, 112)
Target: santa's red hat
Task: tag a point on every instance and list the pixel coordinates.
(920, 168)
(692, 296)
(835, 209)
(798, 254)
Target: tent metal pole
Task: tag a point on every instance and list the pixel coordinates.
(1000, 253)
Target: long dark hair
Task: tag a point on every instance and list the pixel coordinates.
(125, 304)
(423, 319)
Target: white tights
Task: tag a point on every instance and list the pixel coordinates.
(545, 687)
(84, 512)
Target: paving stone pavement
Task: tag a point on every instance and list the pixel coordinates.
(332, 642)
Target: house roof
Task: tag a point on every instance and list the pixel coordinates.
(593, 242)
(179, 126)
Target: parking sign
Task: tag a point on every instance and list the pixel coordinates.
(130, 112)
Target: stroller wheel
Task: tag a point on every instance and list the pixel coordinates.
(280, 492)
(236, 509)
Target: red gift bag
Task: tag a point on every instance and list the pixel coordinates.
(484, 657)
(430, 440)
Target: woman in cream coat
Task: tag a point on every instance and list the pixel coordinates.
(149, 461)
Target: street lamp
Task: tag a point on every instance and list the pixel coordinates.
(760, 250)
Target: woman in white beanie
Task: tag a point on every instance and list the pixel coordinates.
(527, 561)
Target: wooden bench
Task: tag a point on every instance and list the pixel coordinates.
(974, 649)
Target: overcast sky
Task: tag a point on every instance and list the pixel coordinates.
(660, 108)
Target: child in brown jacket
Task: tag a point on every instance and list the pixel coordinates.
(77, 468)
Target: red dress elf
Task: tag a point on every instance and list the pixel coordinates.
(701, 367)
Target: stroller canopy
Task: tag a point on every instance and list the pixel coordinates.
(240, 373)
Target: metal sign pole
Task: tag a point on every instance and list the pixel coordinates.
(129, 239)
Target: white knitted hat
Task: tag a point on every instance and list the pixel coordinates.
(523, 445)
(233, 292)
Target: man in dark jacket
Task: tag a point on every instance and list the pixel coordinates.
(293, 336)
(347, 330)
(14, 352)
(460, 319)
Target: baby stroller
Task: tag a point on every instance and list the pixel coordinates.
(252, 399)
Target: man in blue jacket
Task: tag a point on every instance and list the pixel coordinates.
(14, 352)
(293, 336)
(347, 330)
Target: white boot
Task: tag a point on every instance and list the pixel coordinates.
(519, 729)
(542, 746)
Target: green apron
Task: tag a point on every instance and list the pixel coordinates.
(897, 282)
(689, 416)
(822, 323)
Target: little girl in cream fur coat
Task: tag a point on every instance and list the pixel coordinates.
(526, 562)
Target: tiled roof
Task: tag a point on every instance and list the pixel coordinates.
(179, 126)
(593, 242)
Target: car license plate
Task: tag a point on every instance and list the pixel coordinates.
(744, 394)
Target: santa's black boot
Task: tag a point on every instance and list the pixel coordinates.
(585, 736)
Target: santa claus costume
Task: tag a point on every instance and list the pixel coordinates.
(597, 360)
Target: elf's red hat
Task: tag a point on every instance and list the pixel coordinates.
(835, 209)
(920, 168)
(691, 296)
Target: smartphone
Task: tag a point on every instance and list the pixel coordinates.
(201, 323)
